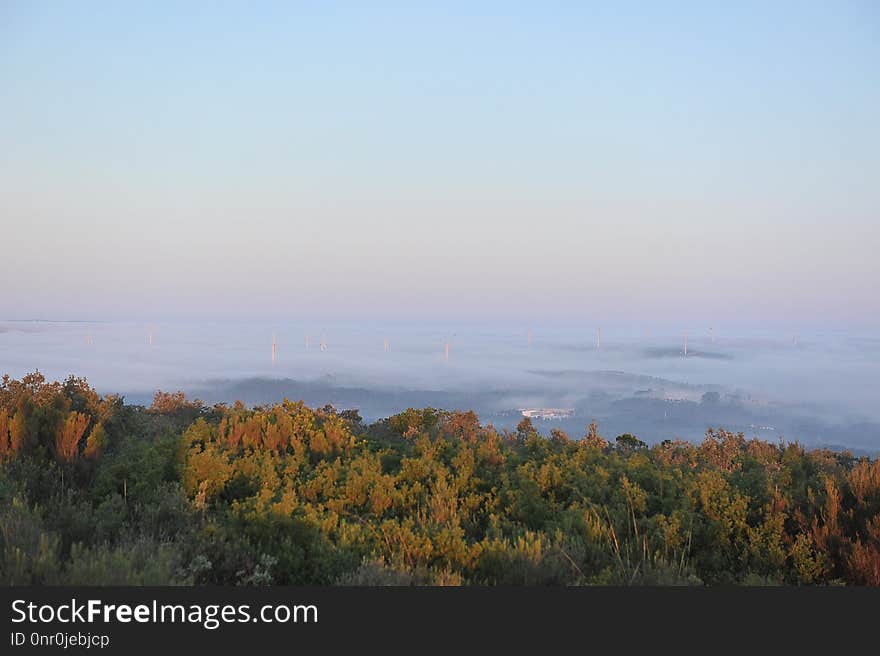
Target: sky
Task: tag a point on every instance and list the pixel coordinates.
(492, 160)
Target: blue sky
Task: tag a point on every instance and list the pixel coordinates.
(491, 160)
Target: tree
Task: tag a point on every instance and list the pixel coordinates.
(592, 437)
(627, 443)
(5, 448)
(69, 434)
(17, 432)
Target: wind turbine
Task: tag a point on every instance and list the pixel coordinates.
(386, 346)
(447, 346)
(598, 338)
(274, 349)
(685, 343)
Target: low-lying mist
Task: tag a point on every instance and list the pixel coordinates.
(816, 388)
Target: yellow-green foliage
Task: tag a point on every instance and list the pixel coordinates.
(290, 495)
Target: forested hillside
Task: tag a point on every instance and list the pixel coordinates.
(93, 491)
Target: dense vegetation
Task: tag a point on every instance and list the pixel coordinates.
(93, 491)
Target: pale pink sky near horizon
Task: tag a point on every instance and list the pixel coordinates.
(159, 163)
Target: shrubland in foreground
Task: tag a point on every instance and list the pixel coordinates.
(93, 491)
